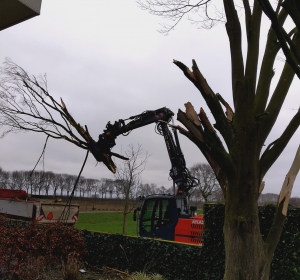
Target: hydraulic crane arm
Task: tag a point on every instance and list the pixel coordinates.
(179, 173)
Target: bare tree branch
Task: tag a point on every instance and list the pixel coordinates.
(266, 71)
(26, 105)
(291, 52)
(272, 153)
(176, 10)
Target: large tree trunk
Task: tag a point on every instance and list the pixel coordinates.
(246, 253)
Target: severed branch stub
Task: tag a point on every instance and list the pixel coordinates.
(261, 187)
(101, 149)
(229, 112)
(288, 183)
(191, 113)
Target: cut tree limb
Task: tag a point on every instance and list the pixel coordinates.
(100, 150)
(83, 132)
(191, 113)
(205, 121)
(288, 183)
(261, 187)
(229, 112)
(222, 124)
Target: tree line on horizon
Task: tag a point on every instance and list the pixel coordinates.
(59, 184)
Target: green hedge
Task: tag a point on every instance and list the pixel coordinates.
(184, 262)
(173, 261)
(286, 260)
(213, 252)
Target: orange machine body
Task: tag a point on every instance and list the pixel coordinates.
(190, 230)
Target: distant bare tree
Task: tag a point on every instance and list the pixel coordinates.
(144, 190)
(69, 182)
(4, 177)
(17, 180)
(27, 184)
(64, 183)
(162, 190)
(90, 185)
(128, 176)
(35, 181)
(196, 197)
(110, 187)
(56, 183)
(82, 186)
(118, 187)
(268, 198)
(102, 187)
(95, 187)
(208, 182)
(48, 181)
(40, 181)
(218, 195)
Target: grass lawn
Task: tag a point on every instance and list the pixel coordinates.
(106, 222)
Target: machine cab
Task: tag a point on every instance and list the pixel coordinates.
(159, 216)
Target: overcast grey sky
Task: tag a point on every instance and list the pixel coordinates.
(107, 61)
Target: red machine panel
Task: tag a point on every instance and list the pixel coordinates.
(190, 230)
(8, 193)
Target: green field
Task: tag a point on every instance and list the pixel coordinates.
(106, 222)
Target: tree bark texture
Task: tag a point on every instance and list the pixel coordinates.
(240, 161)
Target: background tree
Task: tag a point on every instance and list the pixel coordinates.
(90, 185)
(4, 177)
(102, 187)
(219, 195)
(34, 181)
(241, 160)
(81, 186)
(129, 177)
(208, 182)
(163, 190)
(56, 183)
(118, 187)
(26, 184)
(95, 188)
(110, 187)
(267, 198)
(69, 181)
(17, 180)
(147, 189)
(48, 180)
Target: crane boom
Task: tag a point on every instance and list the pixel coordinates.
(178, 172)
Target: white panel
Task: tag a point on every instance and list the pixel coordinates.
(16, 208)
(56, 210)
